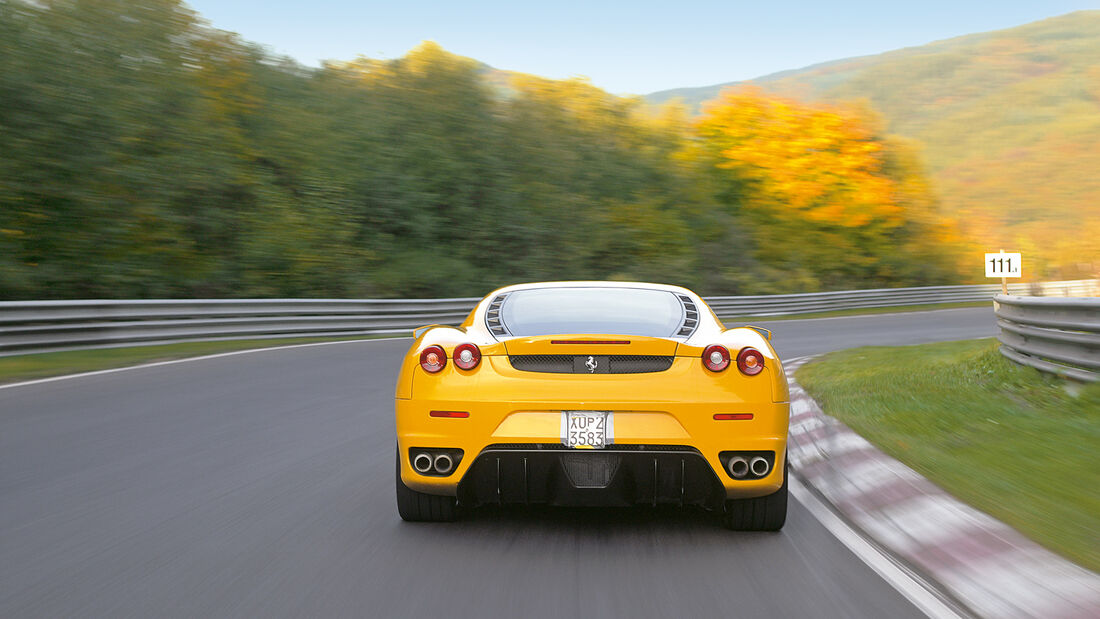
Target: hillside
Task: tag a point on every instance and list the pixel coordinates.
(1010, 122)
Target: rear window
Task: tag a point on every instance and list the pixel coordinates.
(619, 311)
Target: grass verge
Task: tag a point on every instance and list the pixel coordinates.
(42, 365)
(897, 309)
(1015, 443)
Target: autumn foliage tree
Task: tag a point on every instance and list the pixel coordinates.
(830, 201)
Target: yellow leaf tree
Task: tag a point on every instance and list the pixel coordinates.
(814, 185)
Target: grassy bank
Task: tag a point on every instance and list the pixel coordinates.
(42, 365)
(1015, 443)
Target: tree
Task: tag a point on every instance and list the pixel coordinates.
(816, 189)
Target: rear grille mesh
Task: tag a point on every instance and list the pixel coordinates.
(638, 364)
(565, 364)
(555, 364)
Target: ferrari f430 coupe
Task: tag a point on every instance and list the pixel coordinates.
(593, 393)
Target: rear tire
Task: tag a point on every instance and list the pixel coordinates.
(765, 513)
(422, 507)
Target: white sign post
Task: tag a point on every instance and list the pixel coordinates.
(1004, 265)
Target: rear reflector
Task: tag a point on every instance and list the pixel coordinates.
(590, 341)
(732, 416)
(452, 414)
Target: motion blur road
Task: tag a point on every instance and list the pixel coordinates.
(262, 485)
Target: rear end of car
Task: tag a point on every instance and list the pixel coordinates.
(553, 412)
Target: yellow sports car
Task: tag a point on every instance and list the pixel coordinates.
(593, 393)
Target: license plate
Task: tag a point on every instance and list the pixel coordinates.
(586, 429)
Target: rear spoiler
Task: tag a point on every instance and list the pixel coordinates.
(762, 331)
(417, 332)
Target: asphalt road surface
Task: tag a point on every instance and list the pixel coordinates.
(261, 485)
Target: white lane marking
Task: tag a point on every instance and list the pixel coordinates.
(885, 566)
(39, 381)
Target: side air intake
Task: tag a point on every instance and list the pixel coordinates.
(492, 317)
(691, 316)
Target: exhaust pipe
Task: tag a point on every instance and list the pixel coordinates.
(443, 464)
(759, 466)
(422, 463)
(738, 467)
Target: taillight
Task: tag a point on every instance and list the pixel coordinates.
(433, 359)
(716, 357)
(750, 361)
(467, 356)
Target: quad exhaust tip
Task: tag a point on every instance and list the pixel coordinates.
(739, 466)
(759, 466)
(443, 464)
(422, 463)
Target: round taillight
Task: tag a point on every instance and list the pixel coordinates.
(467, 356)
(433, 359)
(750, 361)
(716, 357)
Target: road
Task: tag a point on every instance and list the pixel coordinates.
(261, 485)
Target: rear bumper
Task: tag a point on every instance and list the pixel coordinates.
(640, 431)
(615, 476)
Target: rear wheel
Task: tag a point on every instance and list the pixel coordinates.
(765, 513)
(422, 507)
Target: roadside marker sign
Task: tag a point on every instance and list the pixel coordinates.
(1004, 265)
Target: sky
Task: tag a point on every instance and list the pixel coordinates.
(634, 47)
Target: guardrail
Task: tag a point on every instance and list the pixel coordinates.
(1059, 336)
(35, 326)
(784, 304)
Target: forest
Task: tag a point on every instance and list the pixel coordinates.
(145, 154)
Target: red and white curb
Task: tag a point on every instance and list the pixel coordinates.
(983, 563)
